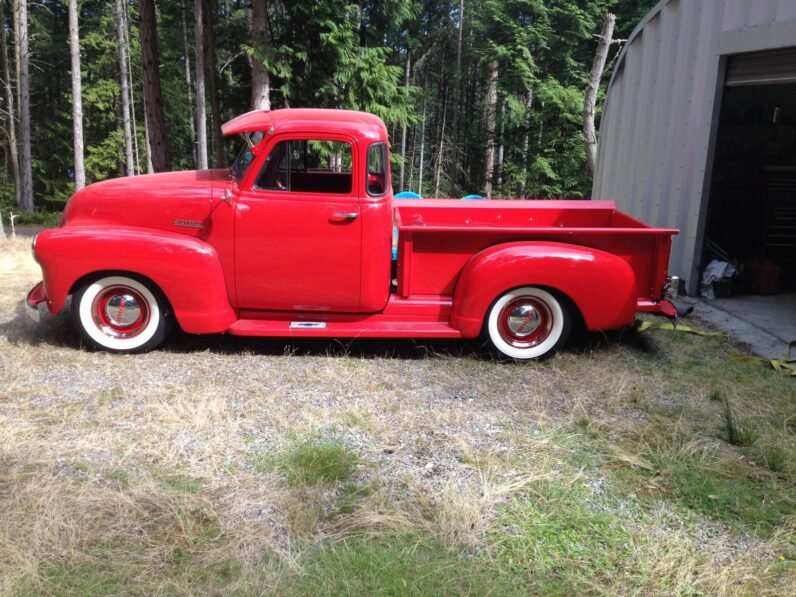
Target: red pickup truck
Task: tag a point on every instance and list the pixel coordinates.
(296, 239)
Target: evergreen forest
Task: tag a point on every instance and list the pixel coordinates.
(482, 97)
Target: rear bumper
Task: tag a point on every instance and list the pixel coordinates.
(36, 303)
(664, 307)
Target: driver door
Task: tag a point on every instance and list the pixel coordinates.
(298, 232)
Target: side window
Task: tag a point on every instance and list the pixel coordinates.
(308, 166)
(377, 169)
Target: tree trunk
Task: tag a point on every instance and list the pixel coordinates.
(422, 149)
(23, 101)
(457, 94)
(150, 169)
(8, 95)
(590, 102)
(459, 48)
(77, 96)
(441, 149)
(128, 134)
(261, 80)
(131, 88)
(189, 83)
(526, 143)
(201, 110)
(540, 134)
(412, 159)
(210, 63)
(403, 129)
(491, 106)
(156, 121)
(501, 145)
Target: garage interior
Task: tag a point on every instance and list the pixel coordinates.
(751, 218)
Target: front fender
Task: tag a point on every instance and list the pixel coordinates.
(602, 285)
(186, 269)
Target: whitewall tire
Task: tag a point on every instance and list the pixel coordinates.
(121, 314)
(527, 323)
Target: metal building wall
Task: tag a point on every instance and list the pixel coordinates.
(662, 109)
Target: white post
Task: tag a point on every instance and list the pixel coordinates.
(12, 217)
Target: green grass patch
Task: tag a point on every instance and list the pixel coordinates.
(563, 544)
(359, 419)
(397, 567)
(313, 462)
(125, 572)
(706, 477)
(733, 494)
(182, 483)
(134, 566)
(120, 477)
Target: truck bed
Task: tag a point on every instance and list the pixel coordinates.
(437, 237)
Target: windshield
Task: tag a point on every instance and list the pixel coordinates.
(246, 155)
(241, 163)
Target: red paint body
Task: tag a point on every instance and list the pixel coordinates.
(231, 257)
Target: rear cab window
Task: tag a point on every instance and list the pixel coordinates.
(376, 181)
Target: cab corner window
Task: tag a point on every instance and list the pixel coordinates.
(377, 169)
(308, 166)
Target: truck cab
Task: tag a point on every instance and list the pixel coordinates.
(313, 212)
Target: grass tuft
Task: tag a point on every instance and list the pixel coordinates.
(773, 456)
(317, 462)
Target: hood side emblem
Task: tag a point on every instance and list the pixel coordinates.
(189, 223)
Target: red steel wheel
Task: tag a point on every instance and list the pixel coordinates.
(527, 323)
(121, 314)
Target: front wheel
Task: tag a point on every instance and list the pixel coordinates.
(121, 314)
(527, 323)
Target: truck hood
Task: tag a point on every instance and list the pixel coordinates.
(174, 201)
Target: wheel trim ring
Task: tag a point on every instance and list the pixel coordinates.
(522, 339)
(111, 326)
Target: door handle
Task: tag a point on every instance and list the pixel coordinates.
(341, 216)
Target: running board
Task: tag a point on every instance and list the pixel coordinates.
(370, 328)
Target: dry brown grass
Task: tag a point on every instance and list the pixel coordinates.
(152, 461)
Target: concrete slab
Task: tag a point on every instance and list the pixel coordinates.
(765, 324)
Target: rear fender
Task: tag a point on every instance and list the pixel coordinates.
(601, 285)
(186, 269)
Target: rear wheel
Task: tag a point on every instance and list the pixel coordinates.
(121, 314)
(527, 323)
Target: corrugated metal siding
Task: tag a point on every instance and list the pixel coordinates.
(656, 126)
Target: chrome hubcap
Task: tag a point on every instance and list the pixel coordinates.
(122, 310)
(525, 322)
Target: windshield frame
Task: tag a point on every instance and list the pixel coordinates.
(241, 166)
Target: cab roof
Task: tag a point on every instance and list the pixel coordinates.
(309, 120)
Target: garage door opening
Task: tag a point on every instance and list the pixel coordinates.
(752, 210)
